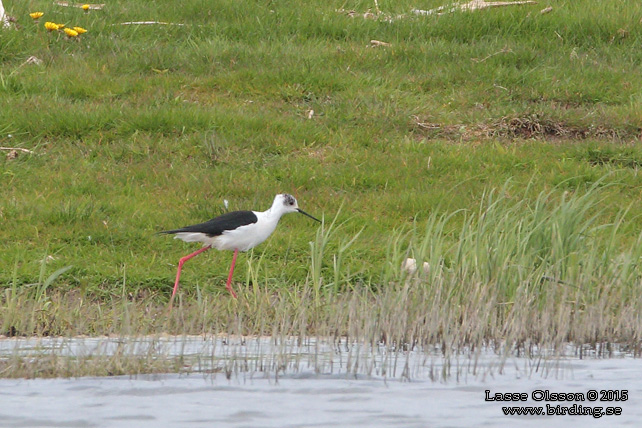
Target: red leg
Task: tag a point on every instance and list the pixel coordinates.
(229, 278)
(180, 266)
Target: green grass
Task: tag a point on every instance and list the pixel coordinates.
(515, 276)
(137, 129)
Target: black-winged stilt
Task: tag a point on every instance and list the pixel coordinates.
(237, 231)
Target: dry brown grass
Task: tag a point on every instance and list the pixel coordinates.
(531, 126)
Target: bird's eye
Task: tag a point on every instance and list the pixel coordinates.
(291, 202)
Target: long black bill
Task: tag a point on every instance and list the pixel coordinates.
(304, 213)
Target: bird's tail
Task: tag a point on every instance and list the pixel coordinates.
(169, 232)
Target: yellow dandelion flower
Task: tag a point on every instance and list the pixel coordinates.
(36, 15)
(60, 26)
(51, 26)
(80, 30)
(85, 7)
(70, 32)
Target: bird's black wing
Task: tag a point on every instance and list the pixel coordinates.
(218, 225)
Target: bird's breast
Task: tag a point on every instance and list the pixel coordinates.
(246, 237)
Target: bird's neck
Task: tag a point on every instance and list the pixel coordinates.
(273, 214)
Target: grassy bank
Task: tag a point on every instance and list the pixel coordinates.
(516, 277)
(137, 129)
(515, 273)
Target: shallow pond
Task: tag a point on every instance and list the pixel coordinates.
(292, 384)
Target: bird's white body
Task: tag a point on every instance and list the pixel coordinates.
(247, 237)
(244, 238)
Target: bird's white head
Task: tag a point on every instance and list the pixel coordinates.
(285, 203)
